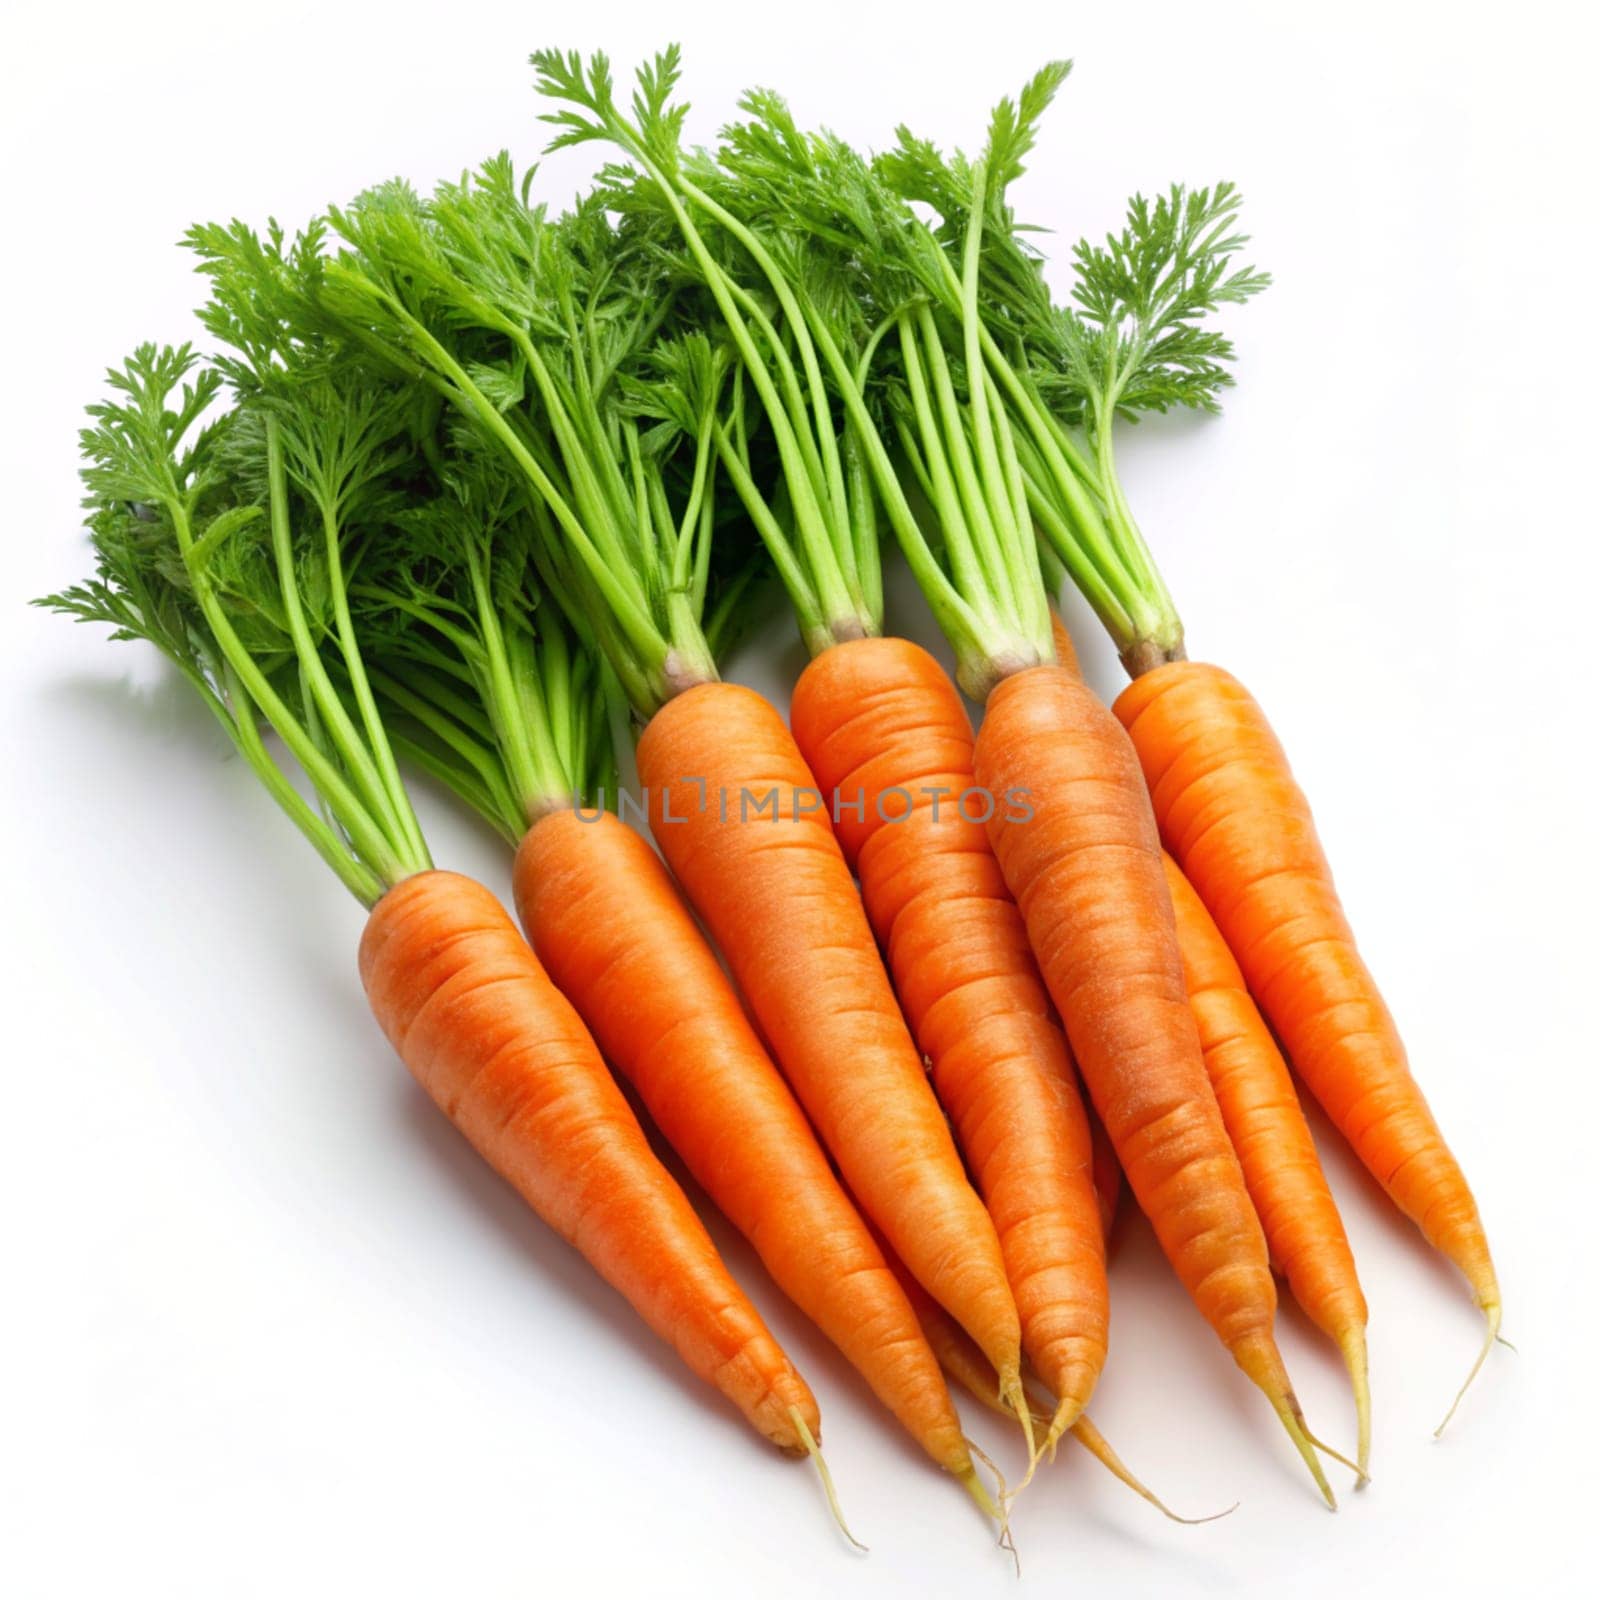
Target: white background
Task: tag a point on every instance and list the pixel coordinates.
(271, 1329)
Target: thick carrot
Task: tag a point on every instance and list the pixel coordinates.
(884, 730)
(1086, 872)
(469, 1009)
(1237, 822)
(774, 890)
(1305, 1236)
(608, 923)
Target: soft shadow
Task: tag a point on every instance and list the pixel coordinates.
(526, 1239)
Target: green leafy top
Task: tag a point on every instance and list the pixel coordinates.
(224, 543)
(483, 683)
(793, 334)
(870, 282)
(525, 327)
(1133, 340)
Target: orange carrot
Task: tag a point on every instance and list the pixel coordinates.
(608, 923)
(1305, 1236)
(774, 890)
(1236, 820)
(884, 730)
(1107, 1173)
(465, 1003)
(1086, 872)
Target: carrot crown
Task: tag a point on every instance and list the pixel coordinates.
(796, 339)
(225, 544)
(1134, 340)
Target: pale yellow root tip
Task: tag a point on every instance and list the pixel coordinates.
(1054, 1427)
(1000, 1506)
(1335, 1455)
(1492, 1315)
(1016, 1399)
(1293, 1420)
(1092, 1440)
(815, 1452)
(1353, 1346)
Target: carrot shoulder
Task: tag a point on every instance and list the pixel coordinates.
(466, 1004)
(607, 921)
(885, 731)
(739, 818)
(1239, 825)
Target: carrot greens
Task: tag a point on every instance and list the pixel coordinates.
(224, 543)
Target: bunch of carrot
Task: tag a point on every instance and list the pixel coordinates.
(485, 491)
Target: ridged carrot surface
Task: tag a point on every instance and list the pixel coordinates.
(610, 927)
(1086, 872)
(883, 727)
(466, 1004)
(776, 894)
(1239, 825)
(1305, 1235)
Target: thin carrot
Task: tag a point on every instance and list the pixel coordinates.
(609, 925)
(1305, 1236)
(1087, 874)
(465, 1003)
(777, 896)
(888, 738)
(1239, 825)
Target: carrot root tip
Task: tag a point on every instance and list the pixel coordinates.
(814, 1450)
(1092, 1440)
(1336, 1455)
(1491, 1338)
(1016, 1399)
(1294, 1423)
(1000, 1506)
(1353, 1346)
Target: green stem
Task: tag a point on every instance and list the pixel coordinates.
(367, 839)
(356, 876)
(321, 694)
(388, 771)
